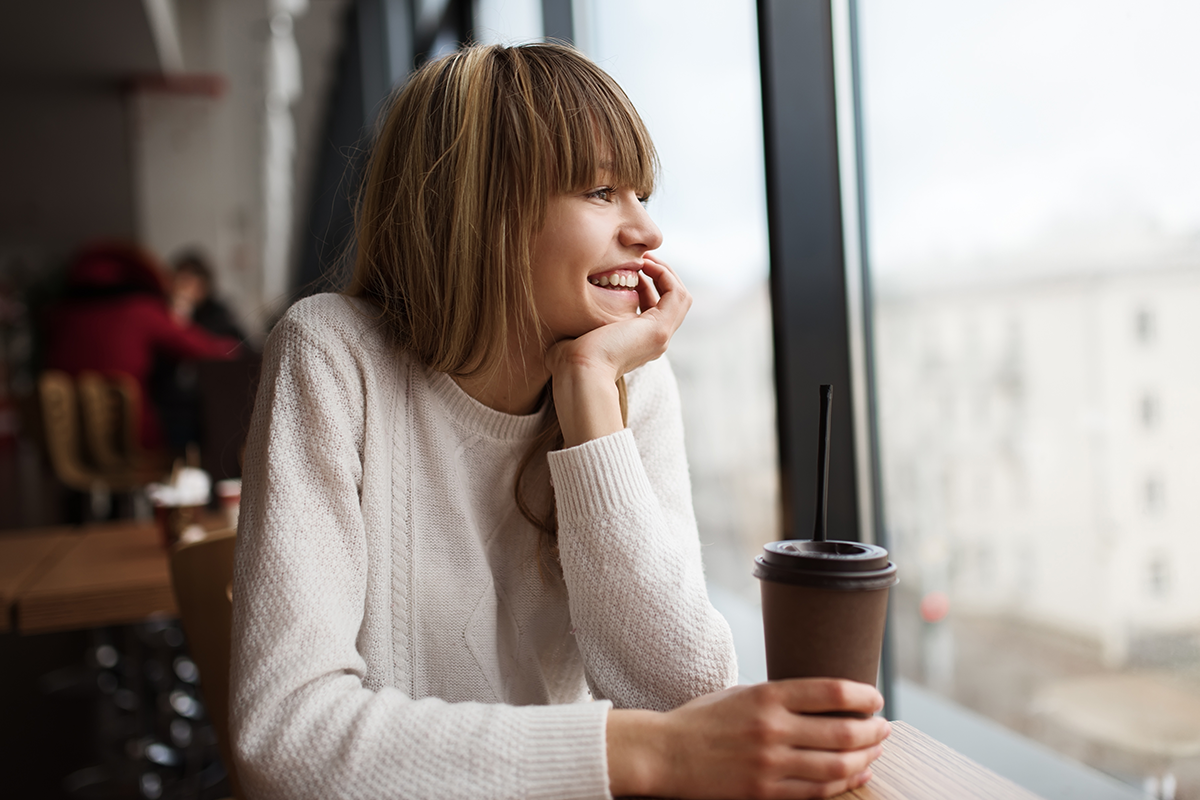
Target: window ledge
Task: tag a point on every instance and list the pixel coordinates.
(1023, 761)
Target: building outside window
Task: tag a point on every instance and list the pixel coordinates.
(1035, 253)
(1144, 325)
(1150, 410)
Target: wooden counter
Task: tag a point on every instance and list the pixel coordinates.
(916, 767)
(114, 573)
(24, 558)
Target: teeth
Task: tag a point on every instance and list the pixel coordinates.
(627, 281)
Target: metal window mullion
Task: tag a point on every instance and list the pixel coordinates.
(808, 278)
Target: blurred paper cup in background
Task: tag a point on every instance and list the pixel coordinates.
(229, 495)
(177, 505)
(174, 520)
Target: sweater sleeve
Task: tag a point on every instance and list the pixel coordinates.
(630, 555)
(304, 723)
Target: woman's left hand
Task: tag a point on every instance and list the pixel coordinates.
(623, 346)
(585, 370)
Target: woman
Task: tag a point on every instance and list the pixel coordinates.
(466, 499)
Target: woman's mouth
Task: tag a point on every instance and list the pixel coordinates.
(623, 280)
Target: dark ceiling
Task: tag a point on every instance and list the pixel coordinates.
(70, 41)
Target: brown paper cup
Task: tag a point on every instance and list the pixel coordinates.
(824, 608)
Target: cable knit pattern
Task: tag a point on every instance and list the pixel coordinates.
(393, 633)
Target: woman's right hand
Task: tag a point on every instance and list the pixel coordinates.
(750, 741)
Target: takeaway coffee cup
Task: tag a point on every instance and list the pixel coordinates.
(824, 608)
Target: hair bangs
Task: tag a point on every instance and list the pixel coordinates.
(594, 130)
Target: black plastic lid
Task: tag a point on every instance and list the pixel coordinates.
(826, 565)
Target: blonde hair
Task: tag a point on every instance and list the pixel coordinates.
(456, 188)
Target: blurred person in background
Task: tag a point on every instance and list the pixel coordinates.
(174, 383)
(194, 297)
(114, 316)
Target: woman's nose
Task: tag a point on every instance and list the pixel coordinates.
(640, 230)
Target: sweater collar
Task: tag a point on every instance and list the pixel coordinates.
(479, 418)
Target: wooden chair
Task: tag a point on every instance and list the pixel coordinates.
(60, 420)
(111, 412)
(202, 577)
(101, 421)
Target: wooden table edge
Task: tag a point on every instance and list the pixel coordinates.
(911, 738)
(69, 540)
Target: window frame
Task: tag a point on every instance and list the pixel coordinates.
(820, 297)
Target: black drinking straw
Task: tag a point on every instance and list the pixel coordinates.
(823, 462)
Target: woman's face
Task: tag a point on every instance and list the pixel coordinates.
(586, 259)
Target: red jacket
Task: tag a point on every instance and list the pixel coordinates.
(124, 334)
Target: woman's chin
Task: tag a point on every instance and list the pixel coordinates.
(617, 303)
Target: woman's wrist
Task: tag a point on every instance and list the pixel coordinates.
(587, 403)
(636, 759)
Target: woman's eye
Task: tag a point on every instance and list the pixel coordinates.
(603, 193)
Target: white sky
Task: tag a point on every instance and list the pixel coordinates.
(990, 122)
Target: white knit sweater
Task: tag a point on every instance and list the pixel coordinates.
(393, 635)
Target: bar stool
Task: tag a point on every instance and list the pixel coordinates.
(61, 429)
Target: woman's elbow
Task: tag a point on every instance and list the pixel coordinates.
(262, 760)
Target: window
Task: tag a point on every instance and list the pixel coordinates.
(1152, 495)
(1033, 220)
(1144, 326)
(1149, 410)
(1158, 578)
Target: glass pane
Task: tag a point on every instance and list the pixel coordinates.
(1034, 201)
(705, 114)
(507, 21)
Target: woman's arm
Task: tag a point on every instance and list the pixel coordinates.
(630, 555)
(631, 559)
(627, 534)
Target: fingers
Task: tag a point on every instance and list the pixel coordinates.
(839, 733)
(808, 789)
(758, 740)
(663, 291)
(648, 295)
(820, 766)
(825, 766)
(824, 695)
(809, 699)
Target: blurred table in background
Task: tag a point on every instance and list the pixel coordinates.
(115, 573)
(24, 557)
(111, 573)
